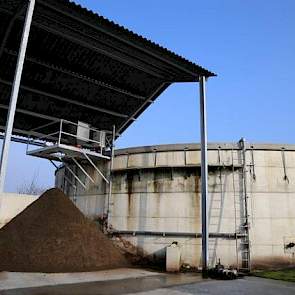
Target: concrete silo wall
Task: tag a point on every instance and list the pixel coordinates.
(156, 201)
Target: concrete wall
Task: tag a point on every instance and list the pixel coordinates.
(156, 190)
(272, 207)
(12, 204)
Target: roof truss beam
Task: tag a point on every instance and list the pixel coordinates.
(23, 132)
(143, 68)
(57, 97)
(32, 114)
(77, 75)
(18, 139)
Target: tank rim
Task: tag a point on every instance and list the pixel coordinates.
(196, 147)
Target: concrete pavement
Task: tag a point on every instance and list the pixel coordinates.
(136, 281)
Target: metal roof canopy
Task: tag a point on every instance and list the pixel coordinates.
(80, 66)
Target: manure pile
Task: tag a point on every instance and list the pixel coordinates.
(52, 235)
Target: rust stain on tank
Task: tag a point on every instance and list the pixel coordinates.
(129, 190)
(155, 181)
(196, 202)
(157, 190)
(197, 183)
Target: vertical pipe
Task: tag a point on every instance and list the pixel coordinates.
(110, 175)
(204, 175)
(14, 93)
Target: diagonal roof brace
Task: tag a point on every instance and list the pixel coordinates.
(135, 114)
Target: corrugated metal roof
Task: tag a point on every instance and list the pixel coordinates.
(82, 66)
(130, 35)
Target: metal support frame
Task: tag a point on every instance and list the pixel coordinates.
(67, 179)
(56, 167)
(73, 173)
(20, 131)
(94, 166)
(67, 100)
(14, 93)
(204, 174)
(57, 141)
(149, 100)
(32, 114)
(79, 76)
(82, 169)
(19, 139)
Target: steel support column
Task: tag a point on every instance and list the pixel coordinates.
(204, 175)
(14, 93)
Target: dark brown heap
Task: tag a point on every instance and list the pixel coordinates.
(52, 235)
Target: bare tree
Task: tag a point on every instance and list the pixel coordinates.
(32, 187)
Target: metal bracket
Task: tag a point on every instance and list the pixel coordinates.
(73, 173)
(82, 169)
(56, 167)
(94, 166)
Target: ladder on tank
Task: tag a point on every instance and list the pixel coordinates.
(242, 224)
(215, 213)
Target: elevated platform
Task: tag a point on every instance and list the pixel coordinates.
(61, 152)
(72, 143)
(64, 140)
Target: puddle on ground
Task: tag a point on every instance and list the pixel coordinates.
(112, 287)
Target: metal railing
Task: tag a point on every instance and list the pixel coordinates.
(64, 132)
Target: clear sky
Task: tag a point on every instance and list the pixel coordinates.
(250, 44)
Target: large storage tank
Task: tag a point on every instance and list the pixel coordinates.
(155, 201)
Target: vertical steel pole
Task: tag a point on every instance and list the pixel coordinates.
(110, 176)
(204, 175)
(14, 93)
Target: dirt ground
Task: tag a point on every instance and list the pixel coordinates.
(52, 235)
